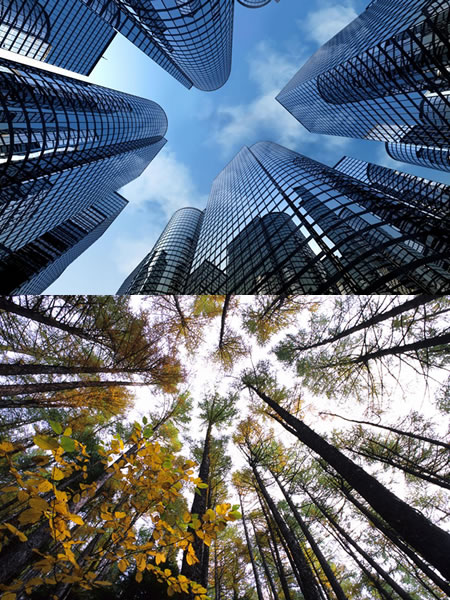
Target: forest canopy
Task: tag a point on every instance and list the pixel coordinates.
(224, 447)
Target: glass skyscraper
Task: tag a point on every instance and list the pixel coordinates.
(64, 34)
(279, 222)
(66, 147)
(386, 76)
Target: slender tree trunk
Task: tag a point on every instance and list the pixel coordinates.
(196, 572)
(250, 552)
(340, 595)
(276, 553)
(428, 539)
(307, 582)
(40, 388)
(8, 369)
(223, 318)
(392, 535)
(393, 584)
(394, 430)
(416, 302)
(265, 565)
(8, 305)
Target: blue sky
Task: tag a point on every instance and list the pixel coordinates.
(206, 129)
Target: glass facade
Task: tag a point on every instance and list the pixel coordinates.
(166, 268)
(385, 76)
(191, 39)
(66, 146)
(278, 222)
(64, 34)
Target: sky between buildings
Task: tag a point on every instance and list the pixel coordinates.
(207, 129)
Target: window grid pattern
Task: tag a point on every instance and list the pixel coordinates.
(342, 233)
(65, 34)
(166, 268)
(36, 265)
(67, 146)
(191, 39)
(384, 77)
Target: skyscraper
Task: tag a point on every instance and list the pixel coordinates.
(166, 268)
(64, 34)
(383, 77)
(279, 222)
(66, 147)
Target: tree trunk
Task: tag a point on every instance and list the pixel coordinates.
(8, 369)
(276, 553)
(393, 429)
(393, 584)
(392, 535)
(250, 553)
(315, 547)
(7, 305)
(307, 582)
(265, 565)
(40, 388)
(196, 572)
(428, 539)
(389, 314)
(223, 318)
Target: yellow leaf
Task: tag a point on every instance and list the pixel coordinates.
(120, 515)
(38, 504)
(187, 517)
(9, 596)
(7, 447)
(22, 537)
(122, 565)
(76, 519)
(60, 496)
(68, 431)
(159, 558)
(57, 474)
(29, 516)
(138, 576)
(45, 486)
(22, 496)
(190, 559)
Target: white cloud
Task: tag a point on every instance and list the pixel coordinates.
(263, 117)
(164, 187)
(322, 24)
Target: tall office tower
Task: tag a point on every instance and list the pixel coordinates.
(166, 268)
(66, 147)
(64, 34)
(191, 39)
(386, 76)
(279, 222)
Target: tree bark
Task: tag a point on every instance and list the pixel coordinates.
(250, 552)
(393, 429)
(265, 565)
(8, 369)
(339, 592)
(389, 314)
(307, 582)
(40, 388)
(429, 540)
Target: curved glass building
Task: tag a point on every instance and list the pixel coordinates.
(66, 147)
(166, 268)
(386, 76)
(278, 222)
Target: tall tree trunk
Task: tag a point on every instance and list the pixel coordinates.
(429, 540)
(392, 535)
(393, 584)
(8, 305)
(307, 581)
(40, 388)
(416, 302)
(264, 564)
(340, 595)
(393, 429)
(223, 318)
(197, 571)
(8, 369)
(250, 552)
(275, 552)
